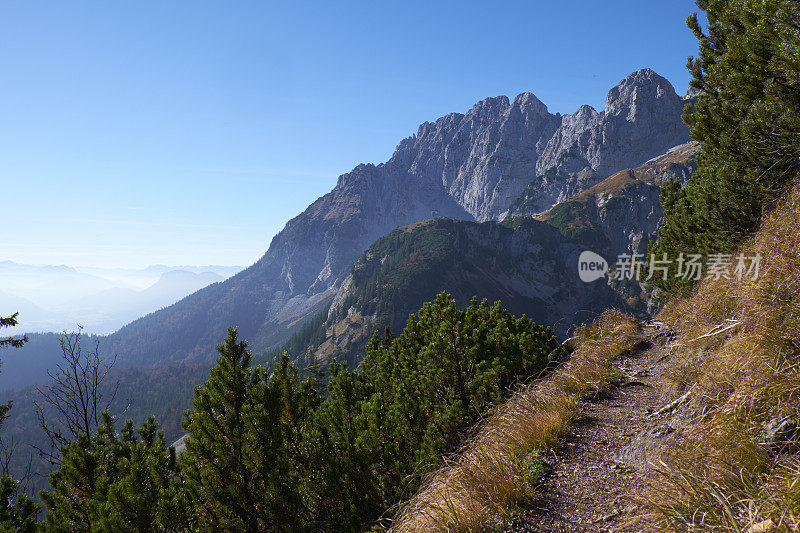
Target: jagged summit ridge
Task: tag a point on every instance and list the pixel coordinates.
(641, 118)
(484, 158)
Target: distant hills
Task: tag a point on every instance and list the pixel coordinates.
(55, 298)
(99, 300)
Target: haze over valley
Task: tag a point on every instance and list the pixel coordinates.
(101, 300)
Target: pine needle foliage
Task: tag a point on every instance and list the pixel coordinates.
(747, 120)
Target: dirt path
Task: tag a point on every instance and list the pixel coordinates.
(589, 486)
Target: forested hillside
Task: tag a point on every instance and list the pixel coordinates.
(269, 450)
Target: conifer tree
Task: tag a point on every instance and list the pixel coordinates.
(147, 494)
(439, 376)
(17, 511)
(117, 482)
(217, 458)
(340, 465)
(747, 120)
(79, 487)
(246, 460)
(283, 407)
(413, 399)
(9, 342)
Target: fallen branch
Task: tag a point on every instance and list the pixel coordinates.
(716, 331)
(569, 344)
(763, 527)
(671, 406)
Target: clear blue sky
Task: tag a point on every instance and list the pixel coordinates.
(134, 133)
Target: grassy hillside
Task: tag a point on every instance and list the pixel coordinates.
(724, 472)
(503, 462)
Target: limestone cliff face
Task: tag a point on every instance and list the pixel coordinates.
(641, 120)
(485, 158)
(630, 218)
(501, 156)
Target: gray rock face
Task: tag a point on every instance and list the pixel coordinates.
(472, 166)
(484, 158)
(629, 218)
(641, 120)
(469, 166)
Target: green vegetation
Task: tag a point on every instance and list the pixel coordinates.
(422, 390)
(398, 273)
(573, 220)
(748, 122)
(245, 429)
(500, 465)
(117, 482)
(17, 511)
(269, 451)
(407, 256)
(282, 450)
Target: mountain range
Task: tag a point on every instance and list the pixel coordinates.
(499, 160)
(529, 262)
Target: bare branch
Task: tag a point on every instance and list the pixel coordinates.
(72, 404)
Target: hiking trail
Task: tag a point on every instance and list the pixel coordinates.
(602, 457)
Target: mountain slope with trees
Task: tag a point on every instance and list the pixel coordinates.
(269, 451)
(530, 263)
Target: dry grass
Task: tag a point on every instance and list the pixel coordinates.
(715, 477)
(500, 466)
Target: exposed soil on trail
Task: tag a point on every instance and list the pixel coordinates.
(602, 458)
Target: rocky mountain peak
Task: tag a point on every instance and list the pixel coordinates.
(642, 89)
(641, 119)
(528, 104)
(490, 107)
(584, 112)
